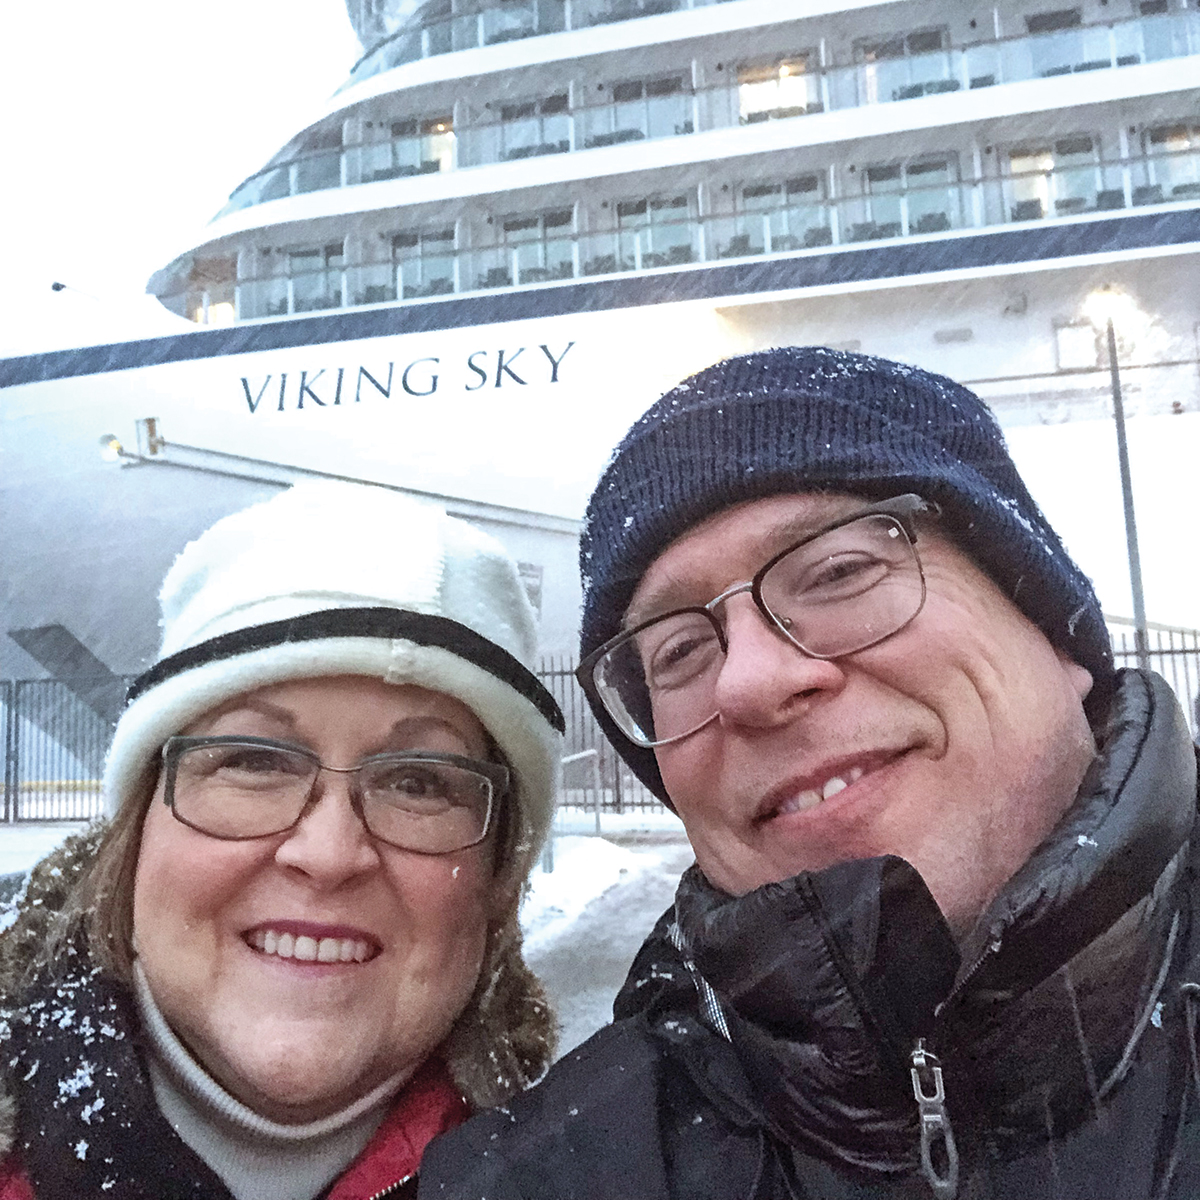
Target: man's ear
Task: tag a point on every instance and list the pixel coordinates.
(1079, 677)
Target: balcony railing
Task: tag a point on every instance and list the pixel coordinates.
(499, 21)
(801, 214)
(612, 121)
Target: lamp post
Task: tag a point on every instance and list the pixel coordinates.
(1102, 304)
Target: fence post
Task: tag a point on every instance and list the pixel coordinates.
(597, 783)
(594, 755)
(12, 777)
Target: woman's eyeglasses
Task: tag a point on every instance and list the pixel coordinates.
(841, 589)
(237, 788)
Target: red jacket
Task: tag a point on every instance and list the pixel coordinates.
(429, 1105)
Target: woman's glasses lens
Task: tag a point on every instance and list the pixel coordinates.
(245, 789)
(424, 804)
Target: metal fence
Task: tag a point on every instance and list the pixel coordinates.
(54, 743)
(1175, 655)
(54, 747)
(583, 771)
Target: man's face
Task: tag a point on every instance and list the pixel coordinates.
(957, 743)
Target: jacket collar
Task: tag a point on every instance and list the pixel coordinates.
(827, 979)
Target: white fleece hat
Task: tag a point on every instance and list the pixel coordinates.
(346, 579)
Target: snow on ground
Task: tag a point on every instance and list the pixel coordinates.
(22, 844)
(584, 869)
(579, 820)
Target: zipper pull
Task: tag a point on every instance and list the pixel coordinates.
(935, 1122)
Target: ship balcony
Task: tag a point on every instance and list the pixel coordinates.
(1055, 180)
(347, 152)
(1059, 48)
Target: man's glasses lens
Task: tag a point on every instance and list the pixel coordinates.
(234, 789)
(838, 592)
(847, 589)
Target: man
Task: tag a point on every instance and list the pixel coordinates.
(938, 941)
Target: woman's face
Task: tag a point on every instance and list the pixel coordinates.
(297, 1040)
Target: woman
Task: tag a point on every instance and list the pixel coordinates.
(291, 957)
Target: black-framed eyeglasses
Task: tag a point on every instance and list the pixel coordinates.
(844, 588)
(239, 788)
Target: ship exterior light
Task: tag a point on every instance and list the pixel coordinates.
(1105, 306)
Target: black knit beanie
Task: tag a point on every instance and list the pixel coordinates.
(810, 419)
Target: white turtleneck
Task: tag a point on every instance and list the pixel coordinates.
(256, 1158)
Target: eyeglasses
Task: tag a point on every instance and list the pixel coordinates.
(844, 588)
(238, 788)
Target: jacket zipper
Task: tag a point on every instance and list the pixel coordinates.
(393, 1187)
(930, 1094)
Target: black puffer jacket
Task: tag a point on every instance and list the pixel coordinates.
(777, 1054)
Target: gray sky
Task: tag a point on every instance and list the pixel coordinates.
(125, 126)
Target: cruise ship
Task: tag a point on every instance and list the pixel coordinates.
(576, 155)
(519, 220)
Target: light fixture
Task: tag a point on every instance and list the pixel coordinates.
(150, 441)
(1104, 307)
(150, 444)
(1105, 304)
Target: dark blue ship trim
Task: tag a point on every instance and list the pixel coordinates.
(859, 263)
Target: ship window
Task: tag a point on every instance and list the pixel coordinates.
(535, 127)
(1063, 45)
(417, 146)
(316, 276)
(512, 20)
(925, 41)
(1149, 8)
(1048, 22)
(1172, 165)
(210, 291)
(655, 231)
(328, 137)
(534, 248)
(319, 164)
(604, 12)
(780, 88)
(664, 87)
(1054, 179)
(900, 45)
(905, 66)
(640, 108)
(902, 199)
(1174, 137)
(789, 214)
(424, 262)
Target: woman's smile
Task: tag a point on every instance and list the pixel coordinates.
(304, 942)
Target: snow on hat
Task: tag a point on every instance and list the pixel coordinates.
(807, 418)
(346, 579)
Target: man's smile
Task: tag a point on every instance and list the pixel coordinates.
(821, 784)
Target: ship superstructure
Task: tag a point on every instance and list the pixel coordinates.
(519, 144)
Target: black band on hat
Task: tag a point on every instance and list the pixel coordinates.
(424, 629)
